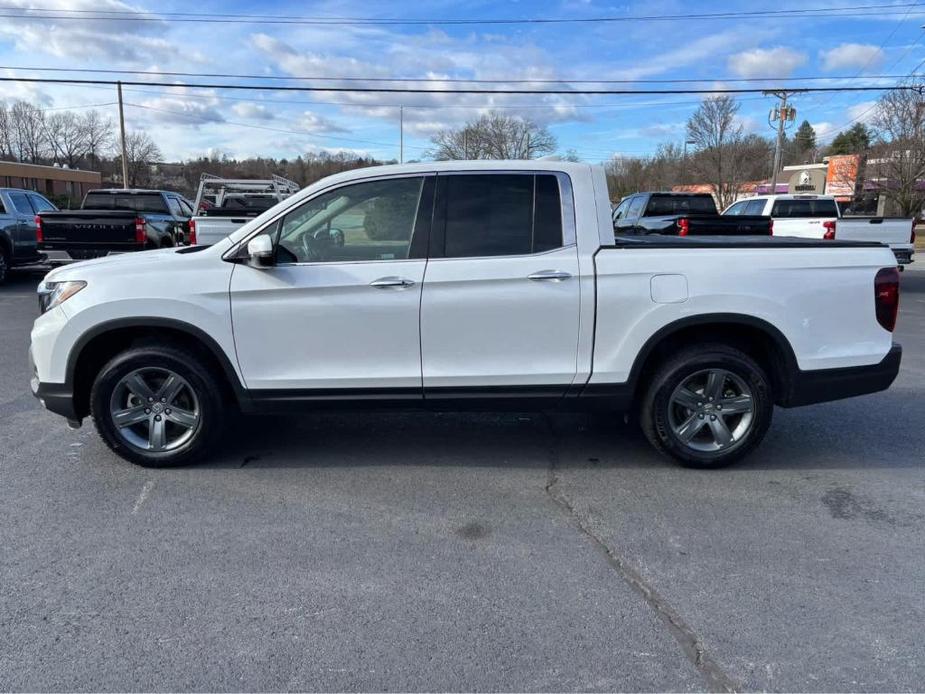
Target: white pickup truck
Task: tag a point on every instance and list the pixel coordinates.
(819, 217)
(223, 205)
(463, 285)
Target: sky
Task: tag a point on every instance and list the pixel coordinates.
(859, 47)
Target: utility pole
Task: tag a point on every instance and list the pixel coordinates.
(782, 114)
(401, 134)
(122, 133)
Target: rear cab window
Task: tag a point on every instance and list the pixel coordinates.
(499, 214)
(130, 202)
(665, 205)
(804, 208)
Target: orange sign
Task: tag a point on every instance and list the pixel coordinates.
(842, 175)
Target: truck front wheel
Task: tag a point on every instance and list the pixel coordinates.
(707, 406)
(157, 406)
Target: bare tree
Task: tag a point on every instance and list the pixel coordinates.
(494, 136)
(67, 137)
(718, 137)
(98, 129)
(899, 157)
(142, 152)
(27, 127)
(6, 133)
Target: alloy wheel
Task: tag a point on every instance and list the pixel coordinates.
(155, 409)
(711, 411)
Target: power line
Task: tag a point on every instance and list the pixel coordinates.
(417, 90)
(452, 80)
(45, 13)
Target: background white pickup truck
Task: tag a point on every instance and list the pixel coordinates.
(460, 285)
(819, 217)
(223, 205)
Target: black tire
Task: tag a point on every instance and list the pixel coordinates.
(203, 383)
(660, 414)
(4, 265)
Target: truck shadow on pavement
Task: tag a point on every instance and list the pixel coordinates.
(861, 433)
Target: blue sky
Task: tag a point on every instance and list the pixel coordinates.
(190, 123)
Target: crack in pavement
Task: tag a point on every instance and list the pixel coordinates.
(691, 644)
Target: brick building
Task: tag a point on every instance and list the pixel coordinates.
(51, 181)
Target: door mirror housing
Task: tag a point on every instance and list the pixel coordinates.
(260, 251)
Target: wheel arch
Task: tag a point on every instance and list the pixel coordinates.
(95, 347)
(756, 337)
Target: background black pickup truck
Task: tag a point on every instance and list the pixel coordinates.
(683, 214)
(114, 221)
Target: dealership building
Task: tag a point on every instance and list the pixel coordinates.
(51, 181)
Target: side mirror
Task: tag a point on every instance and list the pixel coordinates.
(260, 251)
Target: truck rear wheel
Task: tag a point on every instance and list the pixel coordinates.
(157, 406)
(708, 406)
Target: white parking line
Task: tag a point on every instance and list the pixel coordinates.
(145, 490)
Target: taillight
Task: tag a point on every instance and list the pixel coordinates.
(191, 240)
(684, 226)
(912, 235)
(39, 232)
(140, 234)
(886, 297)
(771, 228)
(829, 227)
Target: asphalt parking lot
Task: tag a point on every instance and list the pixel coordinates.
(465, 552)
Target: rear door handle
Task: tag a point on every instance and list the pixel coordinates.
(391, 282)
(550, 275)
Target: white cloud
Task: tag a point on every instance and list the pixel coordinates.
(315, 124)
(863, 112)
(86, 37)
(766, 62)
(248, 109)
(852, 56)
(823, 129)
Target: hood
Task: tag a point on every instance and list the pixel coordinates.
(141, 261)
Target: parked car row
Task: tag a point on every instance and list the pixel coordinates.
(799, 216)
(116, 220)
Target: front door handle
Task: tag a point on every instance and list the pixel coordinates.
(550, 275)
(391, 282)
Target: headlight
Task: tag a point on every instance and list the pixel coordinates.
(53, 293)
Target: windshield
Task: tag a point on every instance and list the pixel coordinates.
(131, 202)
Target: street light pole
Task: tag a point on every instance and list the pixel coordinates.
(401, 134)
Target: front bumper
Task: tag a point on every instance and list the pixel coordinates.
(823, 385)
(55, 397)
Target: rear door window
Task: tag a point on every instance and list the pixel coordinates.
(755, 207)
(738, 208)
(40, 204)
(21, 203)
(810, 208)
(501, 214)
(635, 209)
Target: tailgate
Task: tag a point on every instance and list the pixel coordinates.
(210, 230)
(64, 230)
(894, 230)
